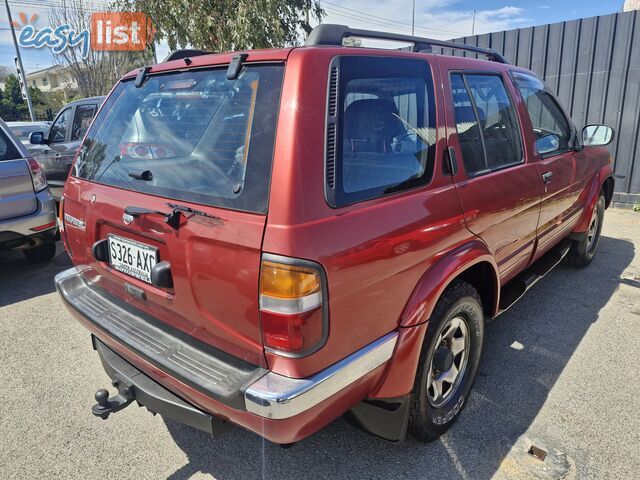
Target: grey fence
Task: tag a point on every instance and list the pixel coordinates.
(593, 65)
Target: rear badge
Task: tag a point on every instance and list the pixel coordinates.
(127, 219)
(74, 222)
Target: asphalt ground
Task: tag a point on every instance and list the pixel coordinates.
(559, 371)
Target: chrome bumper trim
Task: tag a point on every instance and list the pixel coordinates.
(277, 397)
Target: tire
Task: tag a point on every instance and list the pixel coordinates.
(432, 414)
(582, 251)
(41, 254)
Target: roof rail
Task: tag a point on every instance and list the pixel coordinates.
(185, 53)
(331, 34)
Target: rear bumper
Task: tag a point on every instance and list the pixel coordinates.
(18, 232)
(152, 395)
(280, 408)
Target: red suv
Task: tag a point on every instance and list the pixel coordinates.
(279, 237)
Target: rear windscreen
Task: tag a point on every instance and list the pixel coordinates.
(192, 136)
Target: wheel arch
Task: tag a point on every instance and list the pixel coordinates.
(604, 182)
(470, 262)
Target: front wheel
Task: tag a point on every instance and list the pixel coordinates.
(582, 251)
(448, 362)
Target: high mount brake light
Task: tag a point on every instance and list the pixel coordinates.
(292, 305)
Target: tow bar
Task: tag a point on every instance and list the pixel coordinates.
(132, 385)
(107, 405)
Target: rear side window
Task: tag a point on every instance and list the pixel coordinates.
(81, 121)
(550, 125)
(8, 151)
(381, 127)
(486, 122)
(191, 135)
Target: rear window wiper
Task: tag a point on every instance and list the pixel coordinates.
(192, 211)
(171, 218)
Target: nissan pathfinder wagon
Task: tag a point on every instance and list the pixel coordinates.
(275, 238)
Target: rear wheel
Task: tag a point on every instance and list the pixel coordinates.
(448, 362)
(582, 251)
(42, 253)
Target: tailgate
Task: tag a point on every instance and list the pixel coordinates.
(200, 143)
(17, 197)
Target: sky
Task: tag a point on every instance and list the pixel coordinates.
(442, 19)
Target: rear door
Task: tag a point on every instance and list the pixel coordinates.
(499, 189)
(17, 197)
(189, 139)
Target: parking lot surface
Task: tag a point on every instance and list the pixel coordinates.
(559, 371)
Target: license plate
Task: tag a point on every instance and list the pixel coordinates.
(131, 257)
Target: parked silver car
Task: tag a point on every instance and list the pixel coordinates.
(23, 130)
(56, 150)
(27, 208)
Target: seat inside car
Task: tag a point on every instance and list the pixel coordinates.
(375, 149)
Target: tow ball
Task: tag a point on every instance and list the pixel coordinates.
(107, 405)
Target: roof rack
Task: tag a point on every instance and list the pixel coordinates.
(331, 34)
(185, 53)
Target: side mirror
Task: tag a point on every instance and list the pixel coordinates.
(37, 138)
(596, 135)
(548, 143)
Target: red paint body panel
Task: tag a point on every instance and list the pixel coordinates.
(501, 207)
(590, 195)
(387, 260)
(215, 267)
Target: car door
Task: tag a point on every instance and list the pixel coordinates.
(54, 156)
(560, 165)
(498, 186)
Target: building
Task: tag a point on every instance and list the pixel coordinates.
(53, 79)
(593, 66)
(630, 5)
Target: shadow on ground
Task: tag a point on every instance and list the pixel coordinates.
(21, 280)
(511, 388)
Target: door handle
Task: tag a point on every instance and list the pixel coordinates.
(547, 176)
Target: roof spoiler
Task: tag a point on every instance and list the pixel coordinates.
(185, 53)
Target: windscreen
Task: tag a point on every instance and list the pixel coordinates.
(193, 135)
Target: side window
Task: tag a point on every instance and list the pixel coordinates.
(58, 132)
(82, 120)
(8, 151)
(486, 122)
(467, 126)
(381, 132)
(550, 125)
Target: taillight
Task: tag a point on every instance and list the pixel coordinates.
(37, 175)
(61, 214)
(292, 310)
(61, 227)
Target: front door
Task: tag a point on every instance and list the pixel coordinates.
(499, 189)
(54, 156)
(559, 164)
